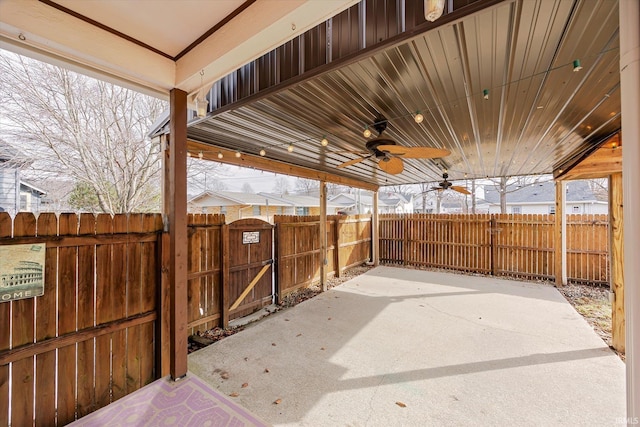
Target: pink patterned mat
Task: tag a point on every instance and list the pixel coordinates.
(188, 402)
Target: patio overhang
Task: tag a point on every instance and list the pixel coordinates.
(557, 75)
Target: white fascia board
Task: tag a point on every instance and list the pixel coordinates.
(50, 33)
(260, 28)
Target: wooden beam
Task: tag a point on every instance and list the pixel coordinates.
(605, 161)
(323, 236)
(560, 240)
(616, 261)
(177, 221)
(582, 154)
(210, 152)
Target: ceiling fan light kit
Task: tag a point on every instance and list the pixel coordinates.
(388, 153)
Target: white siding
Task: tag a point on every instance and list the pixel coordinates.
(9, 188)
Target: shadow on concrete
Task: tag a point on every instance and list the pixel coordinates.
(393, 334)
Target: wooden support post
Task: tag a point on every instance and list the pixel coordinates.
(616, 262)
(630, 103)
(177, 217)
(560, 235)
(323, 236)
(224, 285)
(375, 232)
(163, 331)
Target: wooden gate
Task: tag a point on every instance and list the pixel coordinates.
(248, 267)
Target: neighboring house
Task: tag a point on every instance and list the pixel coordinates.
(16, 195)
(388, 202)
(540, 199)
(236, 205)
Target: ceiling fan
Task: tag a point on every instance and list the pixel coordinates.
(390, 154)
(445, 184)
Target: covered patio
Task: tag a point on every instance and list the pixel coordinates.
(508, 87)
(455, 349)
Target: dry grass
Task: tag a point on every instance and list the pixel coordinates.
(592, 302)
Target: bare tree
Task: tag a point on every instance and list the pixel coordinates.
(281, 185)
(507, 185)
(600, 188)
(89, 130)
(306, 186)
(246, 188)
(205, 175)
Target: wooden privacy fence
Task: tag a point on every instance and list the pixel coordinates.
(509, 245)
(298, 248)
(89, 339)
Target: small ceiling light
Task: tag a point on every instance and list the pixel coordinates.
(324, 141)
(238, 154)
(290, 148)
(433, 9)
(367, 132)
(577, 66)
(418, 117)
(220, 155)
(202, 103)
(485, 94)
(614, 145)
(200, 155)
(201, 107)
(262, 152)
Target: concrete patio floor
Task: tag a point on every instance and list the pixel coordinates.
(455, 349)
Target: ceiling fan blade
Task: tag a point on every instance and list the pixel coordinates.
(414, 152)
(391, 165)
(351, 162)
(460, 189)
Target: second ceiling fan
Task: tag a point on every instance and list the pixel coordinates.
(390, 154)
(446, 184)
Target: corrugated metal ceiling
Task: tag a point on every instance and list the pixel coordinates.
(538, 114)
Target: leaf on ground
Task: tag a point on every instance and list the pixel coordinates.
(245, 385)
(273, 344)
(277, 401)
(321, 348)
(400, 404)
(329, 318)
(246, 359)
(286, 320)
(234, 394)
(224, 375)
(266, 370)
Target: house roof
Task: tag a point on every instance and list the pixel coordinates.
(384, 200)
(299, 200)
(231, 198)
(32, 187)
(543, 192)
